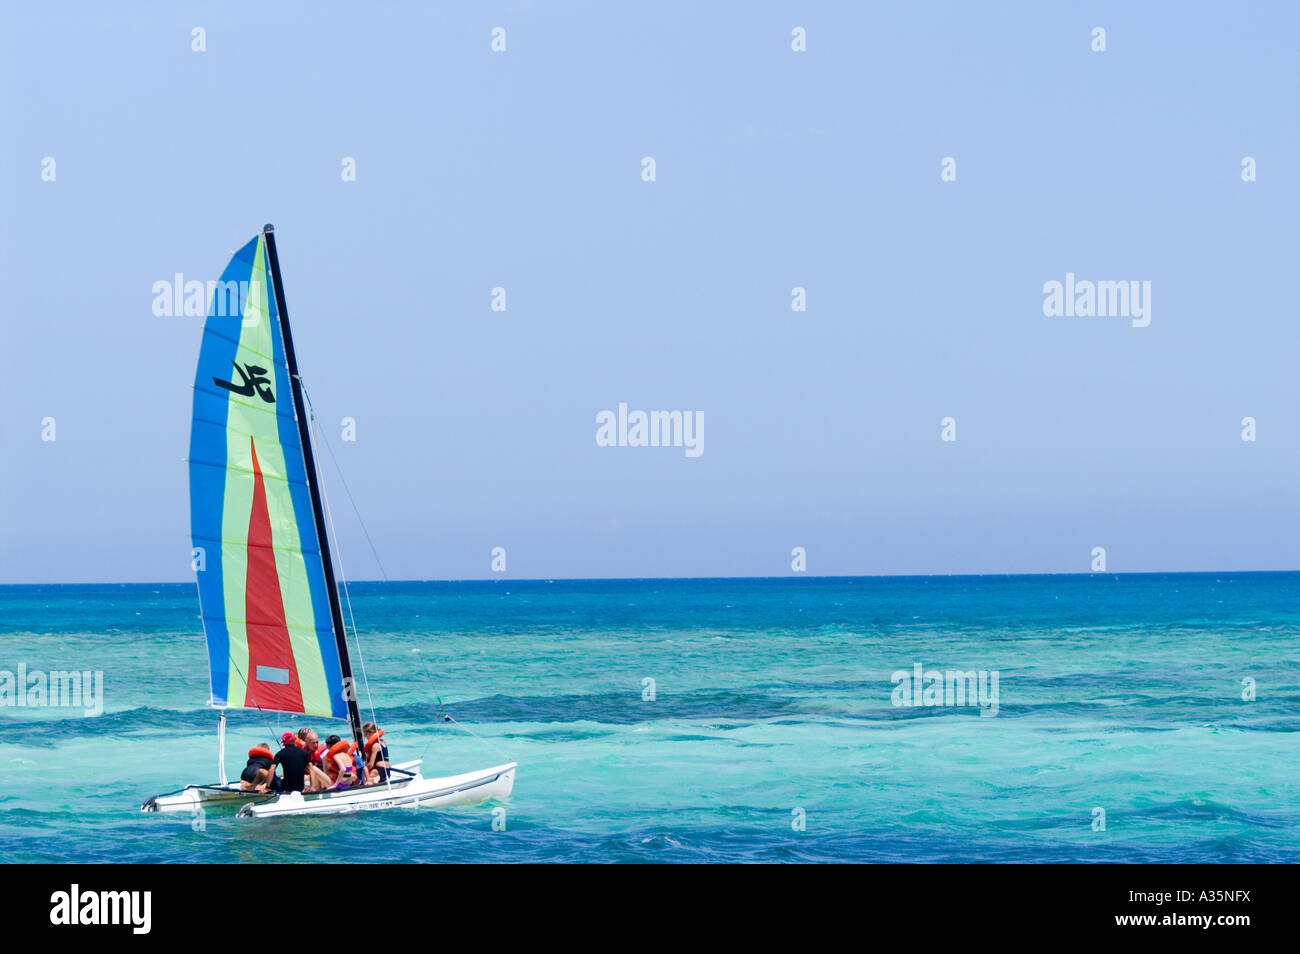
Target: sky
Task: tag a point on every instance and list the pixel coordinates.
(774, 168)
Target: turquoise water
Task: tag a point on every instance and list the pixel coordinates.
(772, 703)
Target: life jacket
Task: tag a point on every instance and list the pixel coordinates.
(372, 742)
(338, 748)
(259, 757)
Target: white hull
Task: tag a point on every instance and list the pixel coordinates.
(192, 798)
(469, 788)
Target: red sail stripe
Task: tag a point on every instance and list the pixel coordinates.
(268, 634)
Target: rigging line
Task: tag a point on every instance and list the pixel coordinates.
(447, 715)
(343, 480)
(275, 733)
(311, 411)
(347, 596)
(502, 752)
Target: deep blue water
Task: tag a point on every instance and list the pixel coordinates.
(773, 703)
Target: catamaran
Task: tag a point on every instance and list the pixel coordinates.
(270, 605)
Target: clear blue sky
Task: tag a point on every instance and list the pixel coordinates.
(774, 169)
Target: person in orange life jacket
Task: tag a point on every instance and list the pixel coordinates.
(339, 764)
(258, 769)
(317, 779)
(294, 760)
(376, 753)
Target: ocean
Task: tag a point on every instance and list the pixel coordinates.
(1137, 718)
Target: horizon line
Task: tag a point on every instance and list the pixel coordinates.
(679, 579)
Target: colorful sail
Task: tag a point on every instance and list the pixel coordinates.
(265, 602)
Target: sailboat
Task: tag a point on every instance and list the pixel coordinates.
(270, 605)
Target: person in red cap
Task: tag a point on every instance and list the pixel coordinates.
(293, 760)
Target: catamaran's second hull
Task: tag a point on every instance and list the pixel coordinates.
(469, 788)
(191, 798)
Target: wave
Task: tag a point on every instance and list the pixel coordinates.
(720, 709)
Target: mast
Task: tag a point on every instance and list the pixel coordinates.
(309, 461)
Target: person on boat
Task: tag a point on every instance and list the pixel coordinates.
(339, 763)
(258, 769)
(317, 779)
(376, 754)
(293, 759)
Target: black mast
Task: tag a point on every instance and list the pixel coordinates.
(309, 460)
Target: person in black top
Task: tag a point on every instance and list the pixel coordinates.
(293, 759)
(258, 769)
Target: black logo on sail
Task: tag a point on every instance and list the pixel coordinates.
(251, 378)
